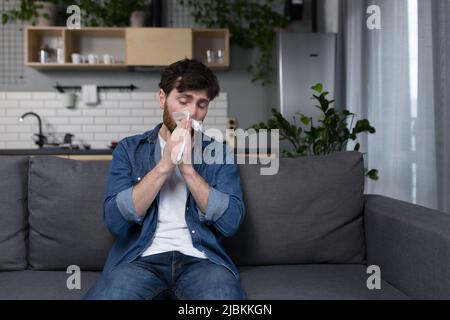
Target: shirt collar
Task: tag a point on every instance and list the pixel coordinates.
(152, 135)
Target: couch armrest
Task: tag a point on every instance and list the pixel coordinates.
(410, 244)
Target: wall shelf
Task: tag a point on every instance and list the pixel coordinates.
(131, 47)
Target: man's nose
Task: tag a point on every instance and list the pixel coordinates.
(193, 109)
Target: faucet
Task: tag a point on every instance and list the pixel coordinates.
(41, 138)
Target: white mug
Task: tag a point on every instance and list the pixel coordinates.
(92, 58)
(108, 59)
(68, 100)
(77, 58)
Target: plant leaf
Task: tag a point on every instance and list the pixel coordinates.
(318, 87)
(373, 174)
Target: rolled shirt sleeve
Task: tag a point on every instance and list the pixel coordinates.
(217, 204)
(125, 204)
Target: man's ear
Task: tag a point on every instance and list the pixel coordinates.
(161, 98)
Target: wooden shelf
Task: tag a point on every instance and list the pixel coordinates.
(72, 66)
(212, 39)
(131, 47)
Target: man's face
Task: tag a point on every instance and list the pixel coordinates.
(196, 102)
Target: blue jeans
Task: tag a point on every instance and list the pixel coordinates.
(168, 275)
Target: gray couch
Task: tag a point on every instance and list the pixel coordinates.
(309, 232)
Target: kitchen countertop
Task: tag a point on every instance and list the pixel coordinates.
(64, 151)
(54, 151)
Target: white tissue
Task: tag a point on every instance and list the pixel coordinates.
(178, 116)
(196, 125)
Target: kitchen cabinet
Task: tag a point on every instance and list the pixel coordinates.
(130, 47)
(157, 46)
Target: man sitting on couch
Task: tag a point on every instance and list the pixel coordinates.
(169, 215)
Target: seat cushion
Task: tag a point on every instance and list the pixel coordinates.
(65, 201)
(43, 285)
(318, 282)
(13, 212)
(313, 282)
(310, 212)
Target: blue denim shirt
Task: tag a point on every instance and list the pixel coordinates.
(133, 157)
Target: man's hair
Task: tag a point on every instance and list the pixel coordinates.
(189, 74)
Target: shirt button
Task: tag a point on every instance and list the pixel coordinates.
(139, 178)
(193, 231)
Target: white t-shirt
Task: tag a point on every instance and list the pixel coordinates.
(172, 233)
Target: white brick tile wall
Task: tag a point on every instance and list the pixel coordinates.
(131, 120)
(71, 113)
(118, 96)
(106, 120)
(118, 115)
(142, 112)
(44, 96)
(20, 145)
(143, 96)
(93, 112)
(85, 136)
(15, 113)
(81, 120)
(25, 136)
(31, 103)
(118, 112)
(95, 128)
(52, 104)
(9, 104)
(18, 95)
(118, 128)
(131, 104)
(9, 137)
(22, 128)
(68, 128)
(109, 104)
(58, 120)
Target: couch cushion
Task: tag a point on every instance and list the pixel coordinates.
(43, 285)
(13, 212)
(309, 212)
(66, 213)
(313, 282)
(321, 282)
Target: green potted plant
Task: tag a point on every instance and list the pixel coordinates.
(41, 13)
(109, 13)
(138, 16)
(331, 135)
(252, 24)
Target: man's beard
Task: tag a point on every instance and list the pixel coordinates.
(168, 120)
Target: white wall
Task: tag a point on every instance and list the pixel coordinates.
(119, 114)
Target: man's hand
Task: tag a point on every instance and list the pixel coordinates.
(173, 146)
(185, 166)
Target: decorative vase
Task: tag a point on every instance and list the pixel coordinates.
(49, 9)
(137, 19)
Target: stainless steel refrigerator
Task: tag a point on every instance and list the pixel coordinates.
(304, 59)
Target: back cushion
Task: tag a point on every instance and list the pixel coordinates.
(66, 213)
(310, 212)
(13, 212)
